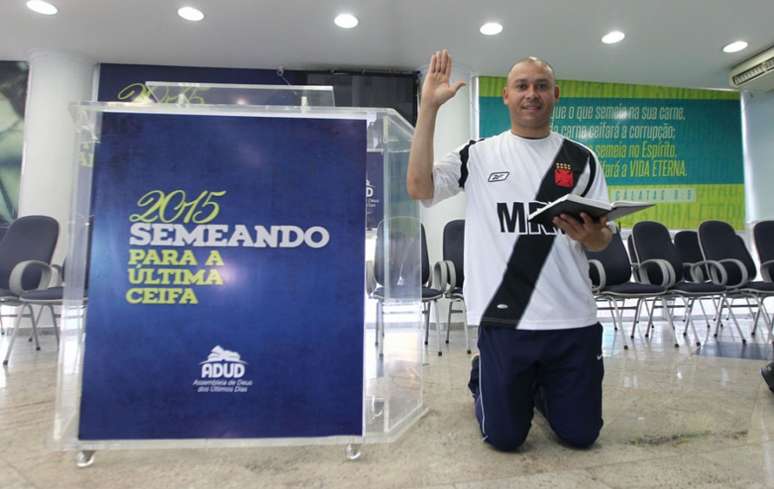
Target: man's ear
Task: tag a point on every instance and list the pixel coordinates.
(556, 92)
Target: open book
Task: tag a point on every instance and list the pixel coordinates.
(573, 205)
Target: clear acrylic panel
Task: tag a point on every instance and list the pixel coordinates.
(393, 391)
(188, 93)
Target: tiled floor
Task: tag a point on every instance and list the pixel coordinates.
(672, 419)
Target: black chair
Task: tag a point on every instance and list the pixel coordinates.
(396, 242)
(687, 245)
(720, 243)
(453, 263)
(611, 273)
(25, 256)
(763, 234)
(651, 240)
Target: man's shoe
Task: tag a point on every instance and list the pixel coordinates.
(474, 371)
(768, 375)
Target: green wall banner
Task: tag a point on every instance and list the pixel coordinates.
(13, 96)
(680, 148)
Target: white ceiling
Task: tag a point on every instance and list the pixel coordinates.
(669, 42)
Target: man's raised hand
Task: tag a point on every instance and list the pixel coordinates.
(436, 89)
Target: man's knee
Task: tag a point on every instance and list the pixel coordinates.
(507, 442)
(578, 437)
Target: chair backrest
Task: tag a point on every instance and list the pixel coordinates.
(763, 234)
(397, 238)
(27, 238)
(719, 241)
(687, 244)
(454, 247)
(615, 261)
(651, 240)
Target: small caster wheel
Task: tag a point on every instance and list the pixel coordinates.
(626, 347)
(469, 352)
(676, 345)
(631, 337)
(29, 340)
(5, 362)
(714, 336)
(353, 452)
(447, 342)
(37, 348)
(425, 343)
(698, 343)
(440, 353)
(84, 458)
(685, 335)
(744, 341)
(646, 335)
(752, 334)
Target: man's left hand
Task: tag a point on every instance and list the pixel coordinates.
(594, 235)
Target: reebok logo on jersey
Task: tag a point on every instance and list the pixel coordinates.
(563, 176)
(498, 176)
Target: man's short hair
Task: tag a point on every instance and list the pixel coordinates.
(535, 60)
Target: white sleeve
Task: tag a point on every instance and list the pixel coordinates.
(447, 173)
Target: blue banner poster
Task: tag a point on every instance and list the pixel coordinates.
(226, 272)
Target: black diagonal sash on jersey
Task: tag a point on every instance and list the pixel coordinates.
(531, 251)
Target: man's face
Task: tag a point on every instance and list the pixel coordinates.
(530, 96)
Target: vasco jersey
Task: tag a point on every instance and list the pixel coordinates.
(519, 274)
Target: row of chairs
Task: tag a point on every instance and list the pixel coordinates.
(27, 277)
(712, 263)
(443, 281)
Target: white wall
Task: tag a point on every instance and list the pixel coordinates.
(452, 129)
(758, 147)
(56, 80)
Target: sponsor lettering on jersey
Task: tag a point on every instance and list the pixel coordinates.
(513, 219)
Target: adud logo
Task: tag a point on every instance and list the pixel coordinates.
(223, 364)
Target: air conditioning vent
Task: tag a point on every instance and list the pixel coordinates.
(756, 73)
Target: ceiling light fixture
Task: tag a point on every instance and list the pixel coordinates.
(42, 7)
(346, 21)
(491, 29)
(613, 37)
(190, 13)
(734, 47)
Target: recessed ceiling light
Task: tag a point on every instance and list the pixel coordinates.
(491, 29)
(346, 21)
(613, 37)
(190, 13)
(734, 47)
(42, 7)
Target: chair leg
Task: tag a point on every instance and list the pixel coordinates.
(636, 316)
(17, 323)
(612, 314)
(756, 315)
(465, 323)
(619, 314)
(736, 323)
(689, 306)
(35, 321)
(448, 320)
(426, 312)
(56, 325)
(437, 324)
(651, 311)
(379, 333)
(668, 314)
